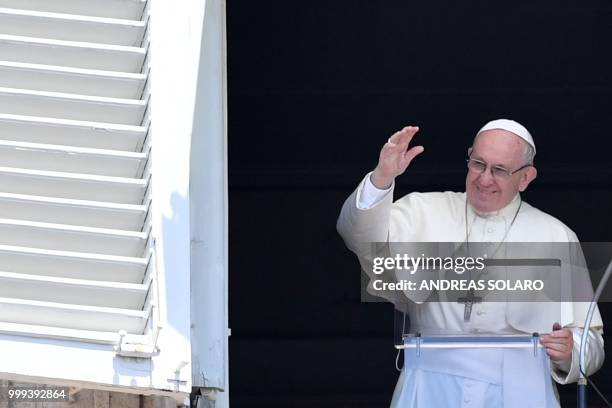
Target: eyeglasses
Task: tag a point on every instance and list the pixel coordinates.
(480, 166)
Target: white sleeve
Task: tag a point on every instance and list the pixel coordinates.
(369, 195)
(595, 354)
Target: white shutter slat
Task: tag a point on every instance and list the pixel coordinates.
(38, 156)
(71, 238)
(70, 185)
(75, 248)
(68, 27)
(71, 54)
(71, 80)
(72, 316)
(79, 291)
(71, 106)
(76, 265)
(72, 132)
(73, 212)
(126, 9)
(63, 333)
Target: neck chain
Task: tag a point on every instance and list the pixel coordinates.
(470, 298)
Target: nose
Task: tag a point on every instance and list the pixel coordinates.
(486, 177)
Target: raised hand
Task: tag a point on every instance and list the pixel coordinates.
(395, 157)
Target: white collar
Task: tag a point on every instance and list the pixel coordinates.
(508, 211)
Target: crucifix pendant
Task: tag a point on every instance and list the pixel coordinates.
(468, 301)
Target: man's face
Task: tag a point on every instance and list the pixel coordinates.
(497, 147)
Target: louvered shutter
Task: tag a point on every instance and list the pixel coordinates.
(97, 237)
(74, 237)
(78, 279)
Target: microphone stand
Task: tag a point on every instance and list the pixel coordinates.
(582, 381)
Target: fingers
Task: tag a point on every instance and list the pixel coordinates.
(394, 137)
(389, 149)
(556, 355)
(552, 341)
(563, 347)
(404, 136)
(563, 336)
(558, 350)
(559, 343)
(400, 140)
(558, 334)
(411, 154)
(395, 156)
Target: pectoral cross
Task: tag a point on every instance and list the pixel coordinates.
(468, 301)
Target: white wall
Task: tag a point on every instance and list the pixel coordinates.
(209, 208)
(188, 87)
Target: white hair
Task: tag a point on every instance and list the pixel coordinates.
(529, 154)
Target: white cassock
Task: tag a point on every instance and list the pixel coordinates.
(487, 379)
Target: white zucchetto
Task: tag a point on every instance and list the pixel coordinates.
(510, 126)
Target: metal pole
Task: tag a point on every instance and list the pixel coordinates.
(582, 383)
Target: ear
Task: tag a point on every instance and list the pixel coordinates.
(527, 177)
(470, 151)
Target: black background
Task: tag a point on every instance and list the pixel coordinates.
(314, 90)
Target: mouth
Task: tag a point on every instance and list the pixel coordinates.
(486, 191)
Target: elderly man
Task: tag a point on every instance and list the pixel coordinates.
(500, 166)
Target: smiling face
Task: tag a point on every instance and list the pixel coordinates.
(497, 148)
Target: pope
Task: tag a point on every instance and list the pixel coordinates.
(500, 165)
